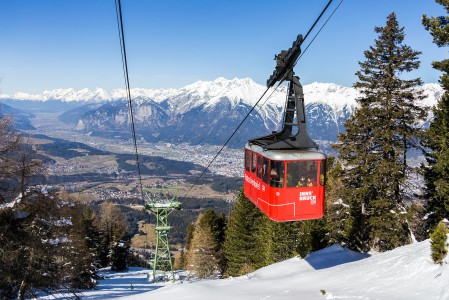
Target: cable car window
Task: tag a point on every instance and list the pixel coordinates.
(265, 170)
(247, 160)
(301, 173)
(259, 167)
(253, 163)
(277, 174)
(312, 175)
(323, 173)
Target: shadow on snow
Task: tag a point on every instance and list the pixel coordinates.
(333, 256)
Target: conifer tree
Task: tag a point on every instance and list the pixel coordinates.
(254, 241)
(378, 135)
(113, 228)
(242, 248)
(204, 255)
(40, 228)
(274, 242)
(119, 257)
(312, 237)
(80, 251)
(439, 243)
(187, 245)
(218, 225)
(263, 234)
(436, 140)
(91, 234)
(337, 208)
(41, 248)
(202, 259)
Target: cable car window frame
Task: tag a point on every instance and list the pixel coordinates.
(253, 162)
(313, 173)
(259, 167)
(265, 164)
(303, 176)
(247, 160)
(323, 173)
(279, 170)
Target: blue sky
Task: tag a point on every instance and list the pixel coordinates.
(49, 44)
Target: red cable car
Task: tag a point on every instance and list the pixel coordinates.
(285, 185)
(284, 173)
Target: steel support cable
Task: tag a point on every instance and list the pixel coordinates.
(227, 141)
(327, 20)
(311, 28)
(317, 19)
(118, 12)
(258, 110)
(244, 119)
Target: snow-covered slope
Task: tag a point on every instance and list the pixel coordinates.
(332, 273)
(404, 273)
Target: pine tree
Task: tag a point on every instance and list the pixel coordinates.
(242, 247)
(436, 141)
(254, 241)
(41, 237)
(91, 234)
(439, 243)
(119, 257)
(41, 248)
(112, 228)
(337, 209)
(218, 226)
(82, 250)
(187, 246)
(203, 257)
(263, 235)
(11, 234)
(378, 135)
(312, 237)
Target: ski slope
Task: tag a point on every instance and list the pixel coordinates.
(332, 273)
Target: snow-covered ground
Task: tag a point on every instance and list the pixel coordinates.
(332, 273)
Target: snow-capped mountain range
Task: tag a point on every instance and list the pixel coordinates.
(203, 91)
(205, 111)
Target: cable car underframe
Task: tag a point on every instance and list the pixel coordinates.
(284, 172)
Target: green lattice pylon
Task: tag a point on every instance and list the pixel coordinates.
(161, 205)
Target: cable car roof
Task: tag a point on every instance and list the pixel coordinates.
(287, 154)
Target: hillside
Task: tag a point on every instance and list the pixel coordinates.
(332, 273)
(21, 119)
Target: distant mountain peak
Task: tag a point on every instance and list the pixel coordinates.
(235, 90)
(204, 111)
(64, 95)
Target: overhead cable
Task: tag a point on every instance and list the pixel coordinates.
(118, 11)
(248, 114)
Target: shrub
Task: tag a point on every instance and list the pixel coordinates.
(438, 243)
